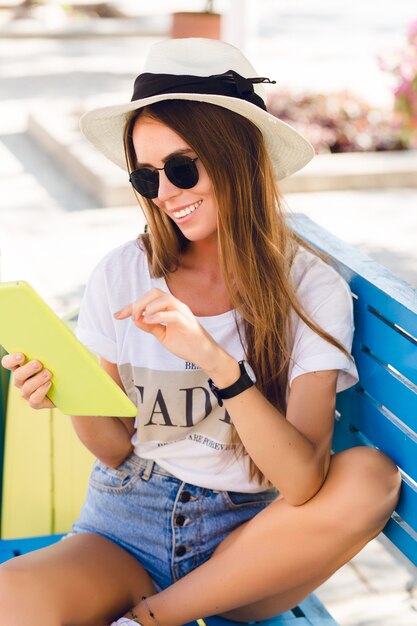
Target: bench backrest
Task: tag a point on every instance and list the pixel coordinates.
(381, 410)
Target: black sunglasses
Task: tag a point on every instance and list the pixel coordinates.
(181, 171)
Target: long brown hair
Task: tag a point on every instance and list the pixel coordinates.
(256, 247)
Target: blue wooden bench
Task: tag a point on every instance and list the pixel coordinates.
(380, 411)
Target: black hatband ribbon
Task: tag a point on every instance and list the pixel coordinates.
(228, 84)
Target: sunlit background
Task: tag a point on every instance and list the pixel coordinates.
(346, 77)
(337, 65)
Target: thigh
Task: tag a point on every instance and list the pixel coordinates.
(84, 580)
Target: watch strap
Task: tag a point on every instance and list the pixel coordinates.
(243, 382)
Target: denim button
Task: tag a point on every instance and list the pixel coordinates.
(179, 520)
(180, 551)
(185, 496)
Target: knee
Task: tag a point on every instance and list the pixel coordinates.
(381, 481)
(370, 486)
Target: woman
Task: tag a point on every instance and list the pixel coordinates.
(233, 341)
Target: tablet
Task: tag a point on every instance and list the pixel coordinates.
(80, 386)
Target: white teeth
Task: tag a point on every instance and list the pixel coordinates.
(187, 210)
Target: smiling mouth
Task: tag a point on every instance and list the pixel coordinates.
(189, 209)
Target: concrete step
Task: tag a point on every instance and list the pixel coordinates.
(356, 170)
(58, 135)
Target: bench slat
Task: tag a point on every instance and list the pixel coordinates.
(387, 388)
(316, 612)
(10, 548)
(6, 553)
(407, 506)
(380, 430)
(382, 303)
(289, 619)
(402, 539)
(390, 345)
(344, 436)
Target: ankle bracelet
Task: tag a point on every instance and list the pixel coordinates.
(151, 615)
(134, 617)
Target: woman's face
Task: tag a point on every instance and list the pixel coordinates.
(193, 210)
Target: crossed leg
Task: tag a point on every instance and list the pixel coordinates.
(263, 568)
(271, 563)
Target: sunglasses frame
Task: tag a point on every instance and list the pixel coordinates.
(190, 161)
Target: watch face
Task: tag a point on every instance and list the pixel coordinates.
(249, 371)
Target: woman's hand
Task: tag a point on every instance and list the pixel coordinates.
(174, 325)
(31, 378)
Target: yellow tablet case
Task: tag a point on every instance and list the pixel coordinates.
(80, 386)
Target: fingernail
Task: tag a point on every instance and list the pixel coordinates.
(19, 357)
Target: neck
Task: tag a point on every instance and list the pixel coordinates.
(202, 254)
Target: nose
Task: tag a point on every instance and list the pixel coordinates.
(166, 189)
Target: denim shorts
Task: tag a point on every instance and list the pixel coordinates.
(169, 526)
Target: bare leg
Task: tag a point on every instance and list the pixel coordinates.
(85, 580)
(276, 559)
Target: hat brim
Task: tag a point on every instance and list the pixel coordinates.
(288, 150)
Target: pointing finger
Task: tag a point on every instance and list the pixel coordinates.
(124, 313)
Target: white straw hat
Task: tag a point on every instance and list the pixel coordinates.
(203, 70)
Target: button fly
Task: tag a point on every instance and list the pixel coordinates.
(180, 520)
(180, 551)
(185, 496)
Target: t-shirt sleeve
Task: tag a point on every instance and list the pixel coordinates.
(96, 325)
(326, 299)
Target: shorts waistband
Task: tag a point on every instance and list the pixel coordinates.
(148, 467)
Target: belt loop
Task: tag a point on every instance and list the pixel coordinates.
(148, 469)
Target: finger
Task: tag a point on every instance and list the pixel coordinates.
(124, 313)
(38, 399)
(136, 308)
(34, 382)
(164, 317)
(12, 361)
(163, 303)
(158, 323)
(140, 323)
(157, 330)
(26, 371)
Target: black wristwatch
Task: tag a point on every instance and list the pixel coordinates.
(246, 380)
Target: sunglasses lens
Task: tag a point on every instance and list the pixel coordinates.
(145, 181)
(182, 172)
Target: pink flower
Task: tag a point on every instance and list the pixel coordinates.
(405, 91)
(407, 71)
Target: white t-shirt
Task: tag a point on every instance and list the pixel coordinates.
(179, 423)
